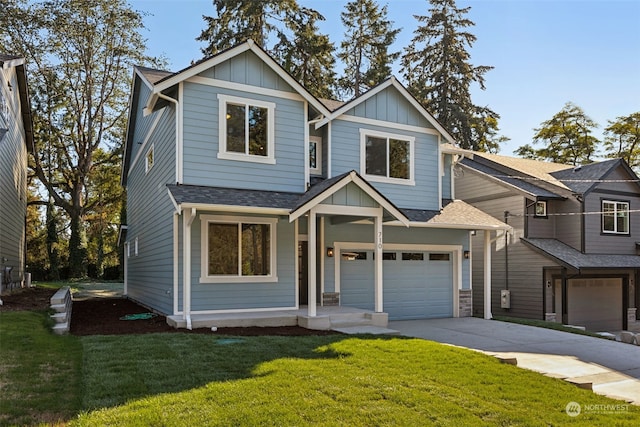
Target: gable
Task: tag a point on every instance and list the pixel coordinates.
(247, 69)
(351, 195)
(622, 181)
(390, 105)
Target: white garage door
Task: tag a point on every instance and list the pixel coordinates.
(416, 285)
(595, 303)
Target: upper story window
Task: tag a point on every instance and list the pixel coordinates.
(148, 163)
(247, 131)
(387, 157)
(540, 209)
(615, 217)
(238, 249)
(315, 155)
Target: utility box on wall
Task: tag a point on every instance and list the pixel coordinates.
(505, 298)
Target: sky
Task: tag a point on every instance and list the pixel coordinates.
(545, 52)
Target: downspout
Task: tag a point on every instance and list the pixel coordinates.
(178, 142)
(506, 252)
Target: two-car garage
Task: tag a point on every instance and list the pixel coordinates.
(417, 284)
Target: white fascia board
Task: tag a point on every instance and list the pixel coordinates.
(11, 63)
(317, 200)
(235, 209)
(415, 224)
(173, 201)
(384, 203)
(450, 149)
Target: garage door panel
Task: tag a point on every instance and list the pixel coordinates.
(595, 303)
(357, 283)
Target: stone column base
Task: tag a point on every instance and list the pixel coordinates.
(465, 303)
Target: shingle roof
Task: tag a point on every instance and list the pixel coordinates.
(524, 185)
(317, 189)
(153, 75)
(5, 57)
(581, 179)
(331, 104)
(195, 194)
(572, 258)
(456, 214)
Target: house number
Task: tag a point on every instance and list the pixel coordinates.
(380, 239)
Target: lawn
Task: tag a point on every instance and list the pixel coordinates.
(192, 379)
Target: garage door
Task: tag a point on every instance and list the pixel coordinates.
(595, 303)
(416, 285)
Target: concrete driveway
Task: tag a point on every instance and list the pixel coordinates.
(607, 367)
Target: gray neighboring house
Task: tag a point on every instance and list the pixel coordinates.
(573, 254)
(16, 140)
(248, 196)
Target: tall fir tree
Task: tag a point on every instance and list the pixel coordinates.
(365, 48)
(439, 74)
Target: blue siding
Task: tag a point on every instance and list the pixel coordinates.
(390, 106)
(201, 145)
(150, 215)
(235, 296)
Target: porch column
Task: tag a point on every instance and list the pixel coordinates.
(188, 216)
(312, 232)
(377, 240)
(487, 275)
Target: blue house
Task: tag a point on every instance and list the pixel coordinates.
(16, 140)
(248, 198)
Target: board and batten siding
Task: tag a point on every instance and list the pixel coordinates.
(239, 296)
(13, 180)
(150, 216)
(201, 144)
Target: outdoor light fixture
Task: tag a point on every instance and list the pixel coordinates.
(330, 252)
(466, 254)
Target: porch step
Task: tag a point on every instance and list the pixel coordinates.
(366, 329)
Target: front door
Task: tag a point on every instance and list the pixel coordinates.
(303, 273)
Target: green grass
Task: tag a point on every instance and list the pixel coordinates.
(192, 379)
(548, 325)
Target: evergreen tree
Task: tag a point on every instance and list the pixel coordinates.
(567, 136)
(365, 48)
(622, 139)
(438, 72)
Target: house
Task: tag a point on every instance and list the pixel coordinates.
(16, 139)
(572, 256)
(247, 196)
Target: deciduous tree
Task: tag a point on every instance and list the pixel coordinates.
(622, 139)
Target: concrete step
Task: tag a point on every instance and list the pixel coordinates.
(61, 317)
(61, 328)
(59, 308)
(366, 329)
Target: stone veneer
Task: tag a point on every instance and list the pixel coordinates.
(330, 299)
(465, 302)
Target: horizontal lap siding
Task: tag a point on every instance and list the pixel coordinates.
(238, 296)
(569, 227)
(13, 182)
(150, 219)
(345, 153)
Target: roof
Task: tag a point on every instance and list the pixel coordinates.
(8, 61)
(523, 185)
(583, 179)
(200, 195)
(569, 257)
(456, 214)
(152, 75)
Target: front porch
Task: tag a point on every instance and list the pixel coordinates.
(341, 319)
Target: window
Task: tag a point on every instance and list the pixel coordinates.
(246, 129)
(540, 208)
(315, 155)
(135, 246)
(238, 249)
(148, 160)
(354, 256)
(438, 257)
(412, 256)
(615, 217)
(387, 157)
(389, 256)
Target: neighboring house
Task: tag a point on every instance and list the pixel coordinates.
(245, 194)
(573, 254)
(16, 138)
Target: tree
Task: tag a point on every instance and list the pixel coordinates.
(485, 134)
(283, 29)
(365, 48)
(438, 72)
(567, 136)
(80, 54)
(622, 139)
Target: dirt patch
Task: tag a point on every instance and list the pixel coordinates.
(33, 299)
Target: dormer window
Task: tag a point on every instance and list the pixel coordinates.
(540, 209)
(387, 157)
(246, 129)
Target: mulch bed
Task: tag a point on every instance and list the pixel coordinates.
(101, 316)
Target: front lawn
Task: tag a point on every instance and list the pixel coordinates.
(194, 379)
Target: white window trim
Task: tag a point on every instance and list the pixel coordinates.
(615, 214)
(204, 245)
(151, 151)
(535, 210)
(318, 141)
(364, 133)
(223, 100)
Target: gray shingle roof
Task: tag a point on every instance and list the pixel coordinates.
(317, 189)
(524, 185)
(153, 75)
(572, 258)
(581, 179)
(195, 194)
(456, 214)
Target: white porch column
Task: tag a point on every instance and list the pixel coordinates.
(187, 220)
(378, 242)
(312, 232)
(487, 275)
